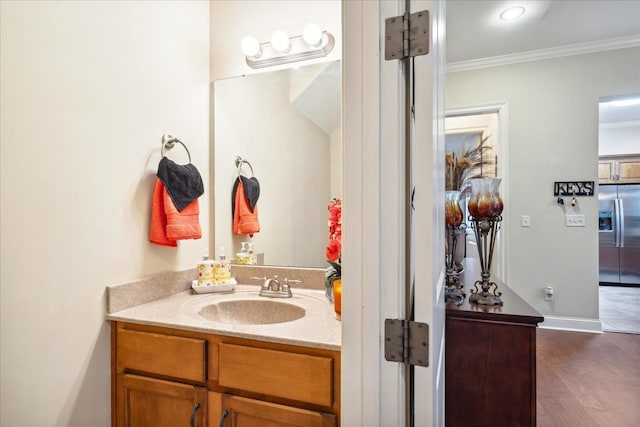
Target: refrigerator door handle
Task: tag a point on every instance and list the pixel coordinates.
(621, 223)
(616, 222)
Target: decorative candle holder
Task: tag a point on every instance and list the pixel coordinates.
(485, 207)
(454, 288)
(453, 222)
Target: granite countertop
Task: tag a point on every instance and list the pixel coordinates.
(317, 328)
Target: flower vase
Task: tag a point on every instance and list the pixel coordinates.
(337, 297)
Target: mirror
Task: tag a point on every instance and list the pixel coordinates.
(287, 125)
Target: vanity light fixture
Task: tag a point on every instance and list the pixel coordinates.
(280, 41)
(512, 13)
(250, 46)
(282, 49)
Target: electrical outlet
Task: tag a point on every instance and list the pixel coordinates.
(548, 293)
(525, 221)
(574, 220)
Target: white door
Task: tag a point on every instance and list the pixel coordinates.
(373, 390)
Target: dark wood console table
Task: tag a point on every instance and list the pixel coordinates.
(490, 360)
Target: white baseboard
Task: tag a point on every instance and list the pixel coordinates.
(574, 324)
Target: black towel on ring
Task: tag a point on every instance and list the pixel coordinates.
(251, 192)
(183, 182)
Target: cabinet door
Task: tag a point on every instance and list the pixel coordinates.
(243, 412)
(629, 170)
(145, 402)
(605, 171)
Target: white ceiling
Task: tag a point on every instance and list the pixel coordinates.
(474, 29)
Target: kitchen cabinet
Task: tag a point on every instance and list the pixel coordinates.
(619, 170)
(490, 353)
(164, 376)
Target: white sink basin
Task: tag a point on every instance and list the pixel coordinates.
(252, 312)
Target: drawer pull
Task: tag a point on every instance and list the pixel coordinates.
(224, 415)
(193, 414)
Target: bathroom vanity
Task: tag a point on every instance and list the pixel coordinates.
(172, 365)
(171, 377)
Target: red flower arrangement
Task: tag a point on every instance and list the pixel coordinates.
(334, 248)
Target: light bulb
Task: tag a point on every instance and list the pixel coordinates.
(512, 13)
(280, 41)
(250, 46)
(312, 34)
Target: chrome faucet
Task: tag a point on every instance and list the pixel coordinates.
(272, 288)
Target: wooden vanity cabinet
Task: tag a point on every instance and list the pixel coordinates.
(168, 377)
(145, 401)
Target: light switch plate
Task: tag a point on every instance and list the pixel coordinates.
(574, 221)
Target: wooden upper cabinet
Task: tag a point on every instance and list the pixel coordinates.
(619, 170)
(629, 170)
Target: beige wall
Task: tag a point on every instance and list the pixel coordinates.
(552, 136)
(87, 90)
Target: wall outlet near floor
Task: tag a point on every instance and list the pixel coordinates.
(548, 293)
(574, 220)
(525, 221)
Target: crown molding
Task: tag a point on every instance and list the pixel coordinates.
(541, 54)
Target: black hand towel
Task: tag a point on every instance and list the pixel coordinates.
(183, 182)
(251, 192)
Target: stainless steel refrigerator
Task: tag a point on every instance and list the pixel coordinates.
(619, 233)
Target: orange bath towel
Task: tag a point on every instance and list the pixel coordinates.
(167, 224)
(245, 221)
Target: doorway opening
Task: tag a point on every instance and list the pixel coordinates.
(619, 213)
(465, 129)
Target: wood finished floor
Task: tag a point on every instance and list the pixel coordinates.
(588, 380)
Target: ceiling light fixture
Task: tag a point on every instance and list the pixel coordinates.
(282, 49)
(512, 13)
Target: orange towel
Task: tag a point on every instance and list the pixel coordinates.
(244, 220)
(167, 224)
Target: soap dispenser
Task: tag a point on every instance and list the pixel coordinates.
(251, 258)
(206, 271)
(241, 257)
(223, 269)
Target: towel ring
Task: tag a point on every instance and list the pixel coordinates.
(240, 161)
(169, 142)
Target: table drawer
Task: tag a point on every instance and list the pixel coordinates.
(172, 356)
(277, 373)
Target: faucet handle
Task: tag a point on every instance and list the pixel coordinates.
(265, 285)
(286, 287)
